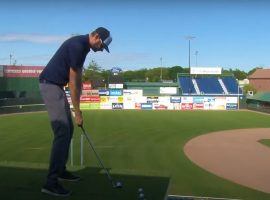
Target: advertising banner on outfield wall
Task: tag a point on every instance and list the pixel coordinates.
(116, 92)
(186, 106)
(146, 106)
(159, 106)
(186, 99)
(198, 106)
(176, 106)
(86, 86)
(22, 71)
(168, 90)
(231, 100)
(129, 105)
(231, 106)
(209, 103)
(175, 99)
(89, 99)
(220, 103)
(1, 71)
(88, 106)
(117, 106)
(116, 99)
(132, 92)
(106, 106)
(152, 100)
(198, 100)
(90, 92)
(104, 92)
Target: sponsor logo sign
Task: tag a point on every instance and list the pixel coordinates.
(198, 99)
(137, 106)
(104, 92)
(86, 86)
(107, 105)
(175, 99)
(231, 106)
(92, 99)
(187, 106)
(152, 99)
(146, 106)
(231, 99)
(22, 71)
(157, 106)
(132, 92)
(205, 70)
(168, 90)
(198, 106)
(116, 92)
(117, 106)
(187, 99)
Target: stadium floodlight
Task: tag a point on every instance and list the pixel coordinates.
(189, 38)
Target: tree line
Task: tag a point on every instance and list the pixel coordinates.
(93, 72)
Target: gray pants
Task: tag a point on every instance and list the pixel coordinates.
(58, 109)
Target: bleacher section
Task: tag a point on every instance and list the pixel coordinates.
(231, 85)
(187, 85)
(209, 85)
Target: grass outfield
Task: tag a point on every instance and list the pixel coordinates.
(142, 148)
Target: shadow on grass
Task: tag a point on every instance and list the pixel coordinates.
(25, 184)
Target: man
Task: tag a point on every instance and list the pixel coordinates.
(66, 67)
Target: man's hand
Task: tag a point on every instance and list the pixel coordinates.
(78, 118)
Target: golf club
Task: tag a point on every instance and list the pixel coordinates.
(116, 184)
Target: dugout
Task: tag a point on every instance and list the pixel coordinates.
(260, 102)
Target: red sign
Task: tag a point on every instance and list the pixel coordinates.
(187, 106)
(86, 86)
(198, 106)
(89, 99)
(22, 71)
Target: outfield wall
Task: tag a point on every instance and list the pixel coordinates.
(133, 99)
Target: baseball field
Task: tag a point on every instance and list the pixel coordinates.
(143, 149)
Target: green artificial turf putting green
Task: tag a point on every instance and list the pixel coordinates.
(143, 148)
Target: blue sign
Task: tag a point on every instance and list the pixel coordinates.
(104, 92)
(198, 99)
(146, 106)
(116, 92)
(231, 106)
(175, 99)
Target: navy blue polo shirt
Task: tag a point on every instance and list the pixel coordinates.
(71, 54)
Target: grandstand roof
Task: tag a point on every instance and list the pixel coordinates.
(260, 73)
(261, 96)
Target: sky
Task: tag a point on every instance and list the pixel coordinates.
(146, 34)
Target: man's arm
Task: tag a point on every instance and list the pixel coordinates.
(75, 84)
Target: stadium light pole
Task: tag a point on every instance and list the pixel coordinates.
(160, 69)
(10, 57)
(196, 54)
(189, 38)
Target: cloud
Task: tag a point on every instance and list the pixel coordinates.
(35, 38)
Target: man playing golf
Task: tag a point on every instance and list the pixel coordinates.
(66, 67)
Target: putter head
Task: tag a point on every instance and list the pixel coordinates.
(117, 184)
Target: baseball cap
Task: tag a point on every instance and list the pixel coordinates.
(105, 37)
